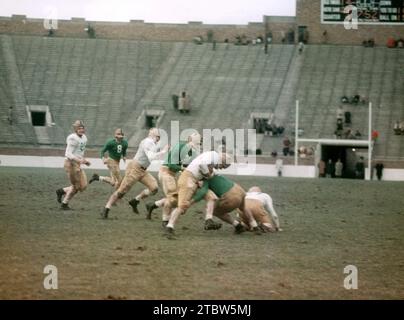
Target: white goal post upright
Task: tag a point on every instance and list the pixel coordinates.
(296, 132)
(370, 149)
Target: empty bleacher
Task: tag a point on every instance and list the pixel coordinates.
(99, 81)
(114, 83)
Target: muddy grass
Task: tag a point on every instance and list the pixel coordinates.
(328, 224)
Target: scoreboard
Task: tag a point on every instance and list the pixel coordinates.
(368, 11)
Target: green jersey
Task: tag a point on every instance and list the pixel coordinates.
(181, 154)
(218, 184)
(115, 149)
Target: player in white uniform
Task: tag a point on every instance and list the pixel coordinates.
(136, 171)
(200, 168)
(76, 146)
(260, 206)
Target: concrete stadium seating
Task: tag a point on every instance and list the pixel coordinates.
(114, 83)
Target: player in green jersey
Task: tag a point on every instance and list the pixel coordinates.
(116, 149)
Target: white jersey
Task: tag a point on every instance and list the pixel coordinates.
(266, 201)
(199, 166)
(76, 147)
(147, 152)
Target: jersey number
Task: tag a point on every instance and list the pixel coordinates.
(119, 149)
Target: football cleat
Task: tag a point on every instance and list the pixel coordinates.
(169, 233)
(65, 206)
(150, 207)
(239, 229)
(104, 213)
(60, 193)
(257, 231)
(212, 225)
(133, 203)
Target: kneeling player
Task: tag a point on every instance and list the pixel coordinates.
(223, 196)
(260, 206)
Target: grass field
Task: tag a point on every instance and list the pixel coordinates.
(328, 224)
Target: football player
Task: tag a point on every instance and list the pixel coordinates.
(200, 168)
(176, 160)
(116, 149)
(136, 170)
(260, 206)
(74, 158)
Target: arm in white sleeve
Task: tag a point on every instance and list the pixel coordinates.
(150, 151)
(151, 155)
(204, 169)
(270, 208)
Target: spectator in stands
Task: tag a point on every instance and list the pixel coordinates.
(271, 118)
(280, 130)
(175, 101)
(400, 43)
(283, 37)
(348, 134)
(391, 43)
(340, 125)
(90, 31)
(198, 40)
(360, 169)
(368, 43)
(321, 168)
(325, 36)
(355, 99)
(375, 135)
(338, 168)
(344, 99)
(347, 115)
(339, 130)
(279, 166)
(184, 103)
(302, 151)
(379, 170)
(51, 32)
(396, 128)
(358, 135)
(402, 127)
(329, 169)
(269, 130)
(10, 115)
(301, 47)
(286, 145)
(340, 113)
(269, 37)
(274, 154)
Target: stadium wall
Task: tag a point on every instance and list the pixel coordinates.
(261, 170)
(133, 30)
(308, 13)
